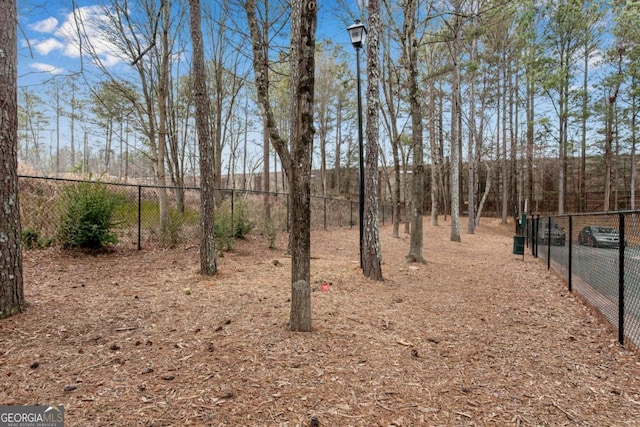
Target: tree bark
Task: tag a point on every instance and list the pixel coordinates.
(410, 48)
(302, 81)
(163, 95)
(336, 165)
(11, 281)
(435, 157)
(634, 113)
(297, 163)
(454, 189)
(266, 132)
(390, 116)
(207, 192)
(530, 102)
(372, 257)
(471, 173)
(610, 107)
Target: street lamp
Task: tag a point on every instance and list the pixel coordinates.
(358, 34)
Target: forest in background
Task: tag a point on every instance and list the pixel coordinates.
(521, 101)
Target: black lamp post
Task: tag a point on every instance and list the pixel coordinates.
(358, 34)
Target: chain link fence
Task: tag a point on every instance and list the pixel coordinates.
(149, 216)
(598, 255)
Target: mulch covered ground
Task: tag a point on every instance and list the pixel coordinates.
(474, 337)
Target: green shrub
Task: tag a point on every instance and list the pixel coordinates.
(271, 232)
(241, 223)
(32, 239)
(228, 227)
(86, 216)
(170, 232)
(223, 233)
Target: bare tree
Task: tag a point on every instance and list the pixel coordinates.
(33, 120)
(297, 163)
(390, 83)
(410, 52)
(303, 34)
(455, 27)
(11, 286)
(201, 99)
(151, 54)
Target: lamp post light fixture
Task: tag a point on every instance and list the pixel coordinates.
(358, 34)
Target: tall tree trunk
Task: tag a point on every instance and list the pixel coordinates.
(443, 162)
(634, 120)
(57, 128)
(207, 197)
(563, 108)
(336, 165)
(608, 154)
(410, 47)
(610, 107)
(389, 113)
(11, 282)
(107, 147)
(163, 92)
(455, 128)
(513, 136)
(72, 126)
(582, 191)
(303, 35)
(397, 190)
(266, 140)
(372, 257)
(471, 173)
(297, 163)
(530, 107)
(435, 157)
(244, 144)
(503, 124)
(479, 137)
(266, 181)
(487, 190)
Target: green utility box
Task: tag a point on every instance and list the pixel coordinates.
(518, 245)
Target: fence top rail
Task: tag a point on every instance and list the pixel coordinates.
(623, 212)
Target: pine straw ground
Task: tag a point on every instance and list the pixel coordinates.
(474, 337)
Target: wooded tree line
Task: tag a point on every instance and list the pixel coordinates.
(500, 85)
(462, 89)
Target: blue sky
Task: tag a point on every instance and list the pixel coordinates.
(47, 49)
(50, 30)
(46, 41)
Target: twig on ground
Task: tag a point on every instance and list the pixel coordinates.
(555, 405)
(380, 404)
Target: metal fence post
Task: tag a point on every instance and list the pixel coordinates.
(325, 212)
(548, 242)
(533, 237)
(569, 267)
(536, 225)
(621, 248)
(233, 231)
(139, 217)
(351, 215)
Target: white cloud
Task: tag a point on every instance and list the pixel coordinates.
(45, 26)
(596, 59)
(46, 68)
(45, 47)
(92, 34)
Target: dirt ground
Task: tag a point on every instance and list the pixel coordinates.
(474, 337)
